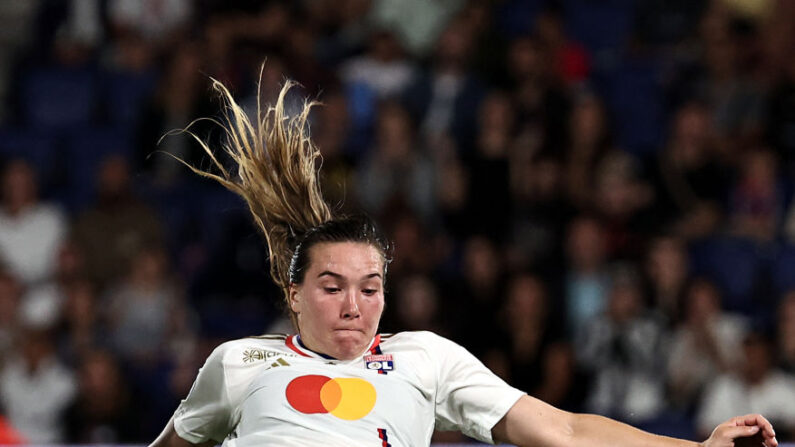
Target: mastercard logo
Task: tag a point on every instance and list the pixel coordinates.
(344, 397)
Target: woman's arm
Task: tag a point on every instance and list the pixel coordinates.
(169, 438)
(531, 422)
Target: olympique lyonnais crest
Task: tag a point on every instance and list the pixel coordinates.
(379, 362)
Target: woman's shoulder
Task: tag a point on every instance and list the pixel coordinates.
(424, 340)
(250, 349)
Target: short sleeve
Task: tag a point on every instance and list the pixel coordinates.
(469, 397)
(206, 413)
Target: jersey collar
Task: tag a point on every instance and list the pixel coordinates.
(294, 342)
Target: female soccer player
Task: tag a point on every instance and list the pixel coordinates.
(337, 382)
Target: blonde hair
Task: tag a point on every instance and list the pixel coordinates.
(277, 173)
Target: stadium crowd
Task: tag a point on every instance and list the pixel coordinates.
(593, 196)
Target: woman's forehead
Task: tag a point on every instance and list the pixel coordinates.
(346, 258)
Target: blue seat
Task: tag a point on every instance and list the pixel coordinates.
(782, 270)
(58, 99)
(734, 264)
(177, 206)
(517, 17)
(37, 148)
(670, 423)
(124, 95)
(362, 110)
(600, 25)
(218, 208)
(634, 96)
(86, 149)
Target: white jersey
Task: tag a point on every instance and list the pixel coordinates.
(271, 390)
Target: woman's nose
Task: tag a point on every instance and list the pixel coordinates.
(350, 308)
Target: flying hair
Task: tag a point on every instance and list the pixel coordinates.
(277, 172)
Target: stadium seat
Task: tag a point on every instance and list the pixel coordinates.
(783, 268)
(635, 99)
(733, 263)
(123, 96)
(58, 99)
(600, 25)
(85, 150)
(37, 148)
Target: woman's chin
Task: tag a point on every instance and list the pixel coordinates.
(349, 344)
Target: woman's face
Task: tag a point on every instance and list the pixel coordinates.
(340, 302)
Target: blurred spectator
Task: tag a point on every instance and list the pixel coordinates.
(271, 75)
(417, 306)
(757, 386)
(103, 411)
(83, 21)
(384, 69)
(736, 101)
(756, 10)
(9, 435)
(418, 250)
(781, 117)
(488, 203)
(533, 341)
(621, 199)
(670, 23)
(446, 97)
(489, 42)
(588, 141)
(158, 20)
(757, 199)
(417, 22)
(129, 78)
(79, 329)
(539, 216)
(786, 332)
(542, 105)
(42, 303)
(331, 133)
(180, 97)
(396, 170)
(452, 187)
(36, 389)
(690, 178)
(570, 59)
(474, 296)
(145, 310)
(10, 293)
(622, 349)
(704, 345)
(667, 267)
(17, 31)
(344, 25)
(111, 232)
(586, 281)
(304, 66)
(31, 231)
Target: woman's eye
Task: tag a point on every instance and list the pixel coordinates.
(369, 291)
(331, 289)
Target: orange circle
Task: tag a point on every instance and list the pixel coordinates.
(330, 395)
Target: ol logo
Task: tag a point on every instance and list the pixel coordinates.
(380, 362)
(344, 397)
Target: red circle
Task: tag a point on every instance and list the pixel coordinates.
(303, 393)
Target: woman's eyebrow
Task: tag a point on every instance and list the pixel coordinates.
(330, 273)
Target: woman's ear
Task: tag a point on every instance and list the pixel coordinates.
(295, 298)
